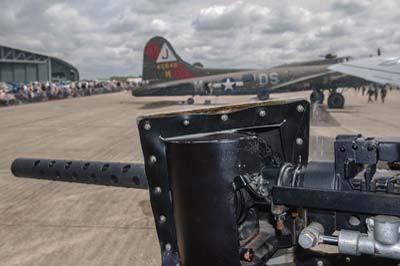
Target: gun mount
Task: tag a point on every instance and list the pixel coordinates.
(233, 186)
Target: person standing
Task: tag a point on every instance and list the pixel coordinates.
(383, 94)
(376, 93)
(370, 92)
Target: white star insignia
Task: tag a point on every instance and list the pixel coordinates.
(228, 84)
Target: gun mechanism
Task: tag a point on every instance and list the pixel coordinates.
(233, 186)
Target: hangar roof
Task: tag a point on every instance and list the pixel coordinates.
(15, 55)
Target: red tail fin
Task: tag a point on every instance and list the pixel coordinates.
(162, 63)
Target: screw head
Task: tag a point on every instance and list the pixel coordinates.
(147, 126)
(320, 263)
(300, 108)
(157, 190)
(162, 219)
(262, 113)
(224, 117)
(186, 122)
(299, 141)
(153, 159)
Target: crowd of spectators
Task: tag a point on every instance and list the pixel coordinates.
(18, 93)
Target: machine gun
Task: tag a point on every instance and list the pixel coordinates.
(233, 186)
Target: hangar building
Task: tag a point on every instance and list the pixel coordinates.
(22, 66)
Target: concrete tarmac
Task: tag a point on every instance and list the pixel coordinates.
(53, 223)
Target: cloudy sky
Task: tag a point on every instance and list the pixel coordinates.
(104, 37)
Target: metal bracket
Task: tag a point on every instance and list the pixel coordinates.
(289, 118)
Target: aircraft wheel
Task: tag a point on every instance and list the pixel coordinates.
(336, 101)
(317, 97)
(190, 100)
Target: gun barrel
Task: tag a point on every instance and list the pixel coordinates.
(87, 172)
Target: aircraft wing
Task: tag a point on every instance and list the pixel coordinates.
(300, 80)
(377, 69)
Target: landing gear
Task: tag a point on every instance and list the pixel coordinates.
(190, 101)
(317, 96)
(336, 101)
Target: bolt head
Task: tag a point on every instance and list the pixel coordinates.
(163, 219)
(168, 247)
(262, 113)
(157, 190)
(300, 108)
(320, 263)
(186, 122)
(153, 159)
(299, 141)
(224, 117)
(147, 126)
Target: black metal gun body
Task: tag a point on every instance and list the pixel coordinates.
(233, 186)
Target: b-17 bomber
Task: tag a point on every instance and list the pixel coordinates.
(166, 73)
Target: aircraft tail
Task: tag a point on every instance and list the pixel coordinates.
(162, 63)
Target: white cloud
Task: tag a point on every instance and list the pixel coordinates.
(235, 15)
(63, 16)
(61, 11)
(103, 38)
(159, 25)
(341, 28)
